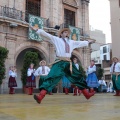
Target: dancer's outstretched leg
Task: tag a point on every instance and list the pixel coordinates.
(78, 80)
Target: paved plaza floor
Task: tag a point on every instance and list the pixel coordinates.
(60, 107)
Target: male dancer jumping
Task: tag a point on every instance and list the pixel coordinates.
(63, 65)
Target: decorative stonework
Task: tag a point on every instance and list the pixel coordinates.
(10, 38)
(72, 3)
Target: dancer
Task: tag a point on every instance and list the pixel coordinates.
(66, 85)
(92, 80)
(42, 71)
(110, 87)
(102, 83)
(63, 65)
(115, 71)
(12, 81)
(76, 89)
(31, 82)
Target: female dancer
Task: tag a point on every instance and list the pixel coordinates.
(66, 85)
(31, 82)
(12, 81)
(92, 80)
(115, 71)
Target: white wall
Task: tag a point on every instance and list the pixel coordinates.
(107, 52)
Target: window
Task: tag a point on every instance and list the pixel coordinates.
(105, 57)
(108, 77)
(33, 7)
(69, 17)
(104, 50)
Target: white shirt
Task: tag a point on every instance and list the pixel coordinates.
(38, 72)
(102, 82)
(30, 71)
(117, 67)
(12, 73)
(60, 45)
(110, 85)
(77, 65)
(91, 69)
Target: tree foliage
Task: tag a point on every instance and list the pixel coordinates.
(99, 73)
(3, 57)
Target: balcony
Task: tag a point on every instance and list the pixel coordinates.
(17, 15)
(65, 25)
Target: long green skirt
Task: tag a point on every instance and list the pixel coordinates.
(59, 70)
(41, 80)
(116, 83)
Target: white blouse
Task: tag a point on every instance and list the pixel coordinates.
(12, 73)
(60, 45)
(38, 72)
(102, 82)
(30, 71)
(91, 69)
(117, 68)
(77, 66)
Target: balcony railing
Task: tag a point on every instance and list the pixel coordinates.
(18, 15)
(11, 13)
(65, 25)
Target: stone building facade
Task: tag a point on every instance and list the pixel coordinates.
(115, 29)
(14, 29)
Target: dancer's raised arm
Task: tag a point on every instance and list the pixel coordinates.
(44, 34)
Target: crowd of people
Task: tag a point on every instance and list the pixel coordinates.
(64, 69)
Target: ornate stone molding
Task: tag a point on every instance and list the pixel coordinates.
(72, 3)
(10, 37)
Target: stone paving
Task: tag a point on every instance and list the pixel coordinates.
(60, 107)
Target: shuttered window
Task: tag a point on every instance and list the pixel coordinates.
(33, 7)
(69, 17)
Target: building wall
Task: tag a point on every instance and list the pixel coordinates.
(115, 26)
(16, 39)
(100, 38)
(105, 51)
(95, 55)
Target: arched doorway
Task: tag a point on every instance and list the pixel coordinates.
(19, 63)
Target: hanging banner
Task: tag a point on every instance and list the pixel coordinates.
(38, 23)
(75, 33)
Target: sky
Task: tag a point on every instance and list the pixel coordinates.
(99, 13)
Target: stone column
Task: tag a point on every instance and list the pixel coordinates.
(86, 57)
(10, 45)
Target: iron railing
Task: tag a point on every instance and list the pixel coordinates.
(65, 25)
(11, 13)
(18, 15)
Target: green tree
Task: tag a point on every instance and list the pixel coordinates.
(99, 73)
(3, 57)
(30, 57)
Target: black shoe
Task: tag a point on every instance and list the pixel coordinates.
(35, 97)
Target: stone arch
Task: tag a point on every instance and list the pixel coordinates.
(27, 45)
(20, 52)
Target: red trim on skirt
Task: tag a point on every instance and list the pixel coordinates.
(12, 82)
(30, 82)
